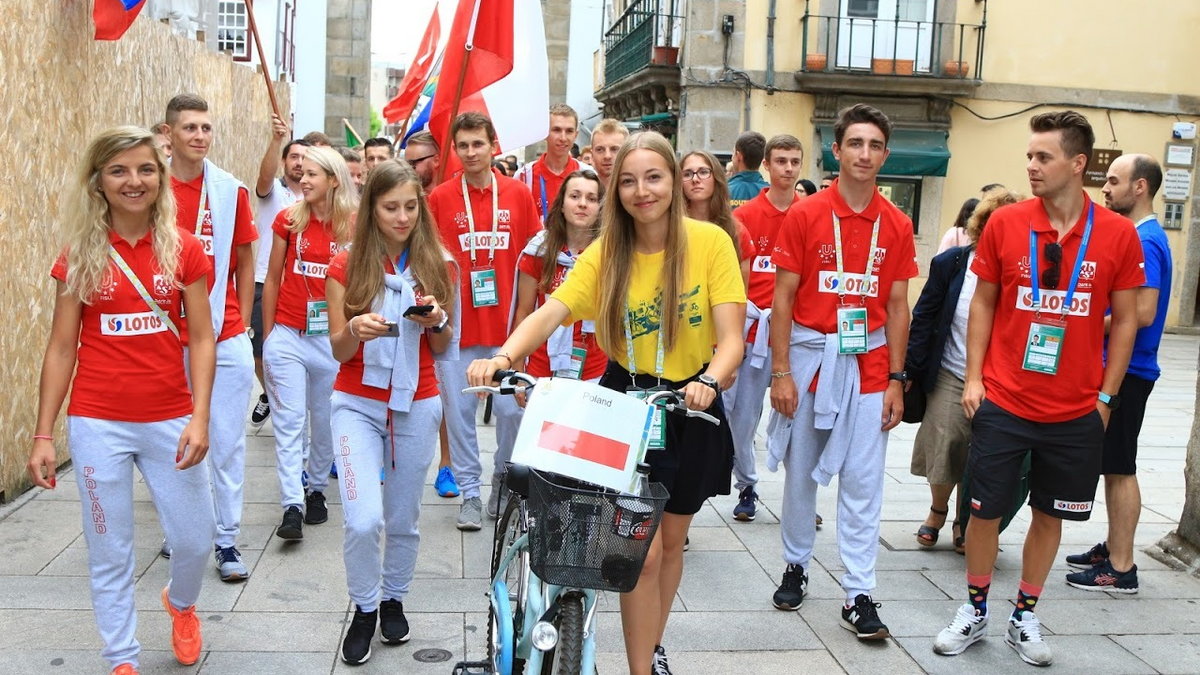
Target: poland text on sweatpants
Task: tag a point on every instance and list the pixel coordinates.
(460, 411)
(743, 407)
(226, 457)
(299, 370)
(859, 488)
(365, 443)
(104, 454)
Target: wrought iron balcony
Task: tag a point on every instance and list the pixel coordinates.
(647, 33)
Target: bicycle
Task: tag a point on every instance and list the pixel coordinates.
(559, 541)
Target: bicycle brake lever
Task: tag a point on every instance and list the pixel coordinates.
(680, 409)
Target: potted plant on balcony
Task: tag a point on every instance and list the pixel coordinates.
(815, 62)
(956, 68)
(892, 66)
(665, 56)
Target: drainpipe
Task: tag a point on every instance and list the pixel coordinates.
(771, 47)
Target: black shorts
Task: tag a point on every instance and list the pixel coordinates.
(256, 321)
(1065, 463)
(1124, 426)
(697, 462)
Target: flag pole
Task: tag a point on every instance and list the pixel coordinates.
(462, 76)
(262, 59)
(351, 128)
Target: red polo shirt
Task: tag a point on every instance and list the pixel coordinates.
(350, 374)
(805, 246)
(303, 277)
(1113, 262)
(537, 175)
(539, 361)
(187, 203)
(130, 364)
(762, 221)
(517, 222)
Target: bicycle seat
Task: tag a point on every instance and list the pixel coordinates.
(516, 477)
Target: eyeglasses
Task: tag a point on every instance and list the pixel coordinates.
(698, 174)
(1050, 275)
(414, 162)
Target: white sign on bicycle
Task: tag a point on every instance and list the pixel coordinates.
(584, 431)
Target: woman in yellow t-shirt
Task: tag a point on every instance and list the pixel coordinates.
(649, 251)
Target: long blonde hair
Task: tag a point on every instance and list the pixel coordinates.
(86, 225)
(617, 242)
(427, 257)
(719, 212)
(341, 198)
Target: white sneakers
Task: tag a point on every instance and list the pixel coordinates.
(1024, 635)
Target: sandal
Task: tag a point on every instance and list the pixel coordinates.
(927, 535)
(960, 539)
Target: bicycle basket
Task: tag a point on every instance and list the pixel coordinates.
(584, 536)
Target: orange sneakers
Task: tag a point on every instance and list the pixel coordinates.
(125, 669)
(185, 632)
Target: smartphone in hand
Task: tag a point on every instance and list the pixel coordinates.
(393, 329)
(418, 309)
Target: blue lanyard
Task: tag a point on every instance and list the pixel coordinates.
(1035, 270)
(545, 207)
(402, 261)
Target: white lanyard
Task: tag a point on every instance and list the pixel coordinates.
(841, 272)
(141, 289)
(203, 199)
(658, 357)
(471, 217)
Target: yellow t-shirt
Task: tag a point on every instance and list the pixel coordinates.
(713, 278)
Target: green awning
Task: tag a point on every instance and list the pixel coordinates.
(915, 152)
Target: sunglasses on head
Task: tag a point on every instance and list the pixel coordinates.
(1050, 276)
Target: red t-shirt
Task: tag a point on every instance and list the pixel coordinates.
(303, 279)
(539, 361)
(187, 203)
(762, 221)
(518, 221)
(536, 172)
(1113, 262)
(805, 246)
(349, 377)
(130, 364)
(745, 242)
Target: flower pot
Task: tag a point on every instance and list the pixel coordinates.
(892, 66)
(815, 62)
(956, 68)
(665, 56)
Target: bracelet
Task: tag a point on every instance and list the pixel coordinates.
(510, 361)
(350, 328)
(778, 374)
(40, 437)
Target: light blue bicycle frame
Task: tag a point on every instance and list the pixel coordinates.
(537, 597)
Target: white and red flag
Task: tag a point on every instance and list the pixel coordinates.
(401, 107)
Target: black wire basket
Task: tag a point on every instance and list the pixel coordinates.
(585, 536)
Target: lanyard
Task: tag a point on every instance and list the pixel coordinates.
(141, 289)
(658, 358)
(471, 217)
(545, 206)
(869, 274)
(1034, 269)
(300, 262)
(402, 261)
(203, 200)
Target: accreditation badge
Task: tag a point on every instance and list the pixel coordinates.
(658, 437)
(316, 320)
(484, 292)
(578, 357)
(852, 330)
(1044, 346)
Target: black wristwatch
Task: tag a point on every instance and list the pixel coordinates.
(901, 376)
(710, 381)
(1113, 401)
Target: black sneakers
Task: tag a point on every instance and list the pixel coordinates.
(291, 527)
(863, 620)
(315, 511)
(1094, 556)
(790, 594)
(262, 410)
(1104, 577)
(356, 647)
(392, 624)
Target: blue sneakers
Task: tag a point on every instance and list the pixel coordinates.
(1103, 577)
(445, 484)
(745, 508)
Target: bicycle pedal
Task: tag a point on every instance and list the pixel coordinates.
(473, 668)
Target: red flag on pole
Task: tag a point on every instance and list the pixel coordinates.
(479, 52)
(114, 17)
(401, 107)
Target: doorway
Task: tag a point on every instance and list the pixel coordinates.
(885, 29)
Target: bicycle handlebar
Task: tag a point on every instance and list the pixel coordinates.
(507, 383)
(672, 402)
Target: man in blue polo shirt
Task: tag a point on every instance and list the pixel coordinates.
(1132, 183)
(747, 182)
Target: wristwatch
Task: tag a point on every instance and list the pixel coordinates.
(445, 320)
(710, 381)
(1113, 401)
(250, 332)
(901, 376)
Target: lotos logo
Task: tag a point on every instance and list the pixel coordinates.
(137, 323)
(206, 240)
(484, 240)
(763, 264)
(1087, 270)
(856, 284)
(1072, 507)
(1052, 301)
(310, 269)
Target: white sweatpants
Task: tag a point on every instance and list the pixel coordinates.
(743, 407)
(460, 411)
(104, 453)
(299, 370)
(360, 427)
(232, 385)
(860, 493)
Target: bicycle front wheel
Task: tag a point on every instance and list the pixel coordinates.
(505, 627)
(567, 657)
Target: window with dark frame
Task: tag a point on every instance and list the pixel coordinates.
(286, 45)
(233, 29)
(905, 193)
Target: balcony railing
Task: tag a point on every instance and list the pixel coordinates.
(846, 44)
(648, 32)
